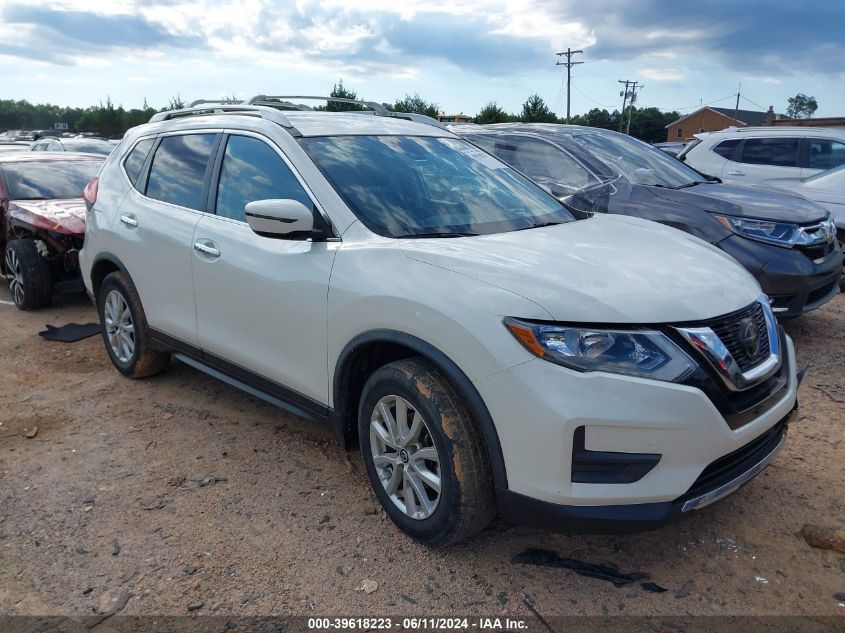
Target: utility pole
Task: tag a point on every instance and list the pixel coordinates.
(569, 64)
(624, 95)
(634, 87)
(736, 109)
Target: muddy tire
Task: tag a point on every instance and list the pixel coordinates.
(424, 453)
(124, 328)
(28, 272)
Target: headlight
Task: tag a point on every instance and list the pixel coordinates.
(768, 231)
(782, 233)
(644, 353)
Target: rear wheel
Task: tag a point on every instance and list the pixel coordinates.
(124, 328)
(28, 272)
(424, 453)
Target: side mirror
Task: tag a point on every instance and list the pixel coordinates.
(279, 218)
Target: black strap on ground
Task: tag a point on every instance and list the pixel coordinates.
(547, 558)
(71, 332)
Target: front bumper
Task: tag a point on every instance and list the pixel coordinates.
(720, 479)
(539, 406)
(794, 283)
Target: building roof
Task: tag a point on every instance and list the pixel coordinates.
(746, 117)
(749, 117)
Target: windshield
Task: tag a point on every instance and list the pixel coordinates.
(403, 186)
(49, 180)
(639, 162)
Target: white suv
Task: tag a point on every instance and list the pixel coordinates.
(489, 349)
(756, 154)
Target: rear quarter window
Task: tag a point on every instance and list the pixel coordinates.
(727, 149)
(133, 163)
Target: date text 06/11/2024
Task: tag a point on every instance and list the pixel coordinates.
(416, 624)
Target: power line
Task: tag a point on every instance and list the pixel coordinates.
(569, 64)
(754, 103)
(589, 98)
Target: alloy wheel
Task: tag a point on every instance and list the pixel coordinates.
(120, 328)
(13, 269)
(405, 457)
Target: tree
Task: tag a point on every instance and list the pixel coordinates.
(535, 110)
(492, 113)
(417, 105)
(175, 103)
(342, 92)
(801, 106)
(599, 118)
(649, 124)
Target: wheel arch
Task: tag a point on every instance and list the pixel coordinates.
(373, 349)
(104, 265)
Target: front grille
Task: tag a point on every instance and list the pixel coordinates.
(728, 329)
(820, 293)
(817, 251)
(727, 468)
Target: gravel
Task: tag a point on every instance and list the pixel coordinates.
(252, 538)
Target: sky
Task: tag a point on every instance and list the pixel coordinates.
(458, 54)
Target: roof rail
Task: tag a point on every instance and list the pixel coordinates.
(270, 114)
(277, 100)
(767, 128)
(197, 102)
(410, 116)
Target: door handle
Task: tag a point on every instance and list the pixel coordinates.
(736, 173)
(129, 220)
(205, 248)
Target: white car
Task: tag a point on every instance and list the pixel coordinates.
(826, 188)
(489, 349)
(749, 155)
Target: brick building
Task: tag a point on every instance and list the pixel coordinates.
(830, 121)
(708, 119)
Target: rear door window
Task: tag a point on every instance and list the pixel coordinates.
(252, 170)
(777, 151)
(825, 153)
(177, 173)
(135, 161)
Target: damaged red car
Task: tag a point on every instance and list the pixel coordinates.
(42, 223)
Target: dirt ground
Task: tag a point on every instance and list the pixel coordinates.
(180, 490)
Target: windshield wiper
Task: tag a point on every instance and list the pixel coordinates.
(692, 184)
(538, 225)
(436, 234)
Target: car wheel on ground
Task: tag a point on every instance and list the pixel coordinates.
(124, 328)
(424, 453)
(28, 272)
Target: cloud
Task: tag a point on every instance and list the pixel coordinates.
(59, 36)
(762, 38)
(755, 35)
(662, 74)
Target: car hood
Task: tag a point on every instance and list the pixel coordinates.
(59, 216)
(746, 201)
(605, 269)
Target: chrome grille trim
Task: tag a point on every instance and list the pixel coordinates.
(708, 345)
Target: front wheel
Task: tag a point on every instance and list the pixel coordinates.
(28, 272)
(424, 453)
